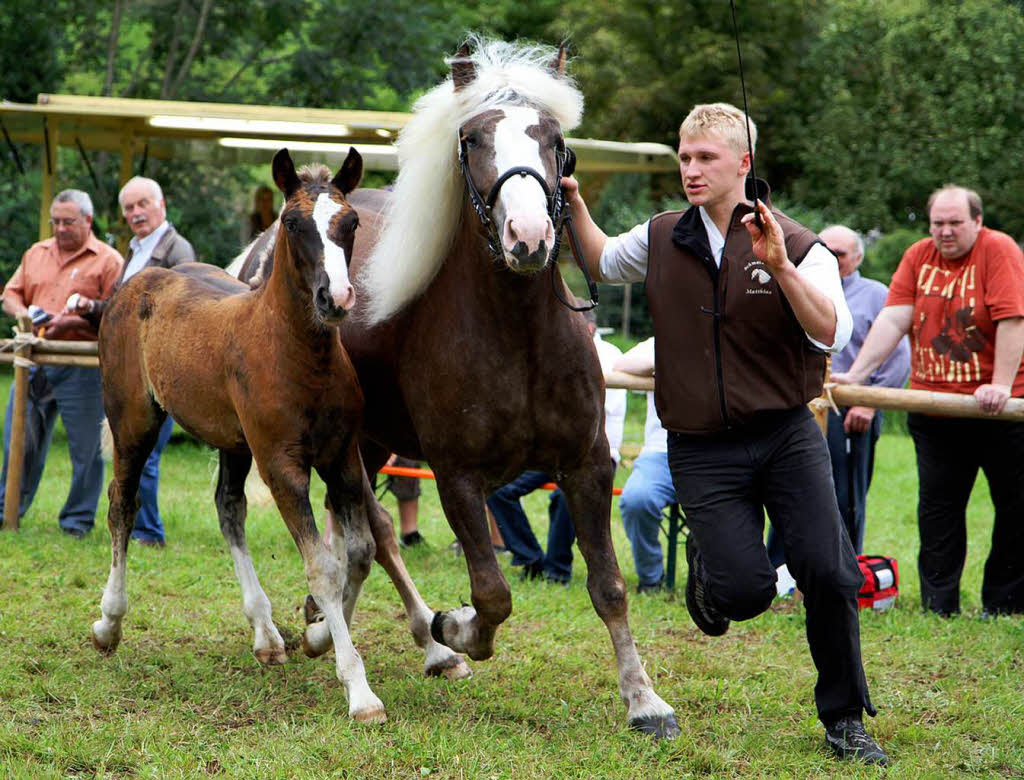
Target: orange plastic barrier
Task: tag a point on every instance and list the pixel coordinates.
(402, 471)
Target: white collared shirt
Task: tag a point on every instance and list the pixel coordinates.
(142, 250)
(624, 260)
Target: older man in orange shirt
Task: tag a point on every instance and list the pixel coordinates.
(54, 276)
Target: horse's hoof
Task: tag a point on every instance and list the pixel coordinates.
(370, 716)
(452, 668)
(311, 612)
(107, 646)
(316, 640)
(271, 656)
(657, 726)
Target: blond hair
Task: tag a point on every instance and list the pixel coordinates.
(722, 120)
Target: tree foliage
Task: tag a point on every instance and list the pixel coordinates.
(909, 96)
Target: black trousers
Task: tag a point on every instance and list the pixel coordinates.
(779, 463)
(949, 454)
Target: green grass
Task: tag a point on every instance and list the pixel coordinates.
(184, 697)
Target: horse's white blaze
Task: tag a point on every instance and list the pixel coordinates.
(521, 197)
(335, 262)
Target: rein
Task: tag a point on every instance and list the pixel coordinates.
(560, 217)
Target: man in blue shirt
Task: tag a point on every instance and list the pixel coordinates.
(852, 436)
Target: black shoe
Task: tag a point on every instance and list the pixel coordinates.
(654, 587)
(554, 579)
(160, 543)
(848, 739)
(74, 533)
(411, 539)
(708, 619)
(532, 571)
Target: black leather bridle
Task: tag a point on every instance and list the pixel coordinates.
(565, 160)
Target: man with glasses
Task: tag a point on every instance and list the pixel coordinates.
(156, 245)
(54, 276)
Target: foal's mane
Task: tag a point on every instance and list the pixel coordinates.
(423, 214)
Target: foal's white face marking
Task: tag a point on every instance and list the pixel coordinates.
(335, 262)
(521, 204)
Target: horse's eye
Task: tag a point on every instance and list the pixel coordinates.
(472, 140)
(291, 225)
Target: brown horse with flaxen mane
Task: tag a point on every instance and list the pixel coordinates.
(466, 357)
(258, 374)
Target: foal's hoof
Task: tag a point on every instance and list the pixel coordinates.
(103, 639)
(370, 716)
(271, 656)
(657, 726)
(451, 668)
(454, 628)
(316, 640)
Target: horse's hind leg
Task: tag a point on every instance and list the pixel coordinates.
(130, 453)
(267, 644)
(588, 492)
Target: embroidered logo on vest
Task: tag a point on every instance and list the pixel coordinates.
(759, 275)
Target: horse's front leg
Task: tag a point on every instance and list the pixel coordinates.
(267, 644)
(327, 576)
(439, 660)
(471, 629)
(588, 493)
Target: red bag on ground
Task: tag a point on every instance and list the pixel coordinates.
(881, 582)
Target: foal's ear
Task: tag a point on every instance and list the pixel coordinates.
(463, 69)
(351, 171)
(284, 173)
(557, 64)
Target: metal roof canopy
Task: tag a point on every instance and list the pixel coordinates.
(232, 134)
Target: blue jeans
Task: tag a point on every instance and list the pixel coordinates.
(647, 492)
(148, 525)
(75, 393)
(518, 535)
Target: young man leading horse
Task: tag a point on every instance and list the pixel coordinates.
(744, 312)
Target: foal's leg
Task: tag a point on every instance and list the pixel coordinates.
(588, 492)
(267, 644)
(439, 660)
(326, 576)
(130, 453)
(471, 629)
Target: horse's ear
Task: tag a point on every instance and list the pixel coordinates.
(284, 173)
(463, 69)
(351, 171)
(557, 64)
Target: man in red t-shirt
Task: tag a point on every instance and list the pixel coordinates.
(960, 295)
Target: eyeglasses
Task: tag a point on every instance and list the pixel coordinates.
(58, 222)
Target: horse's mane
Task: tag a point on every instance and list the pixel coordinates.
(423, 214)
(314, 173)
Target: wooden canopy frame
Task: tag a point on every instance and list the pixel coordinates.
(230, 134)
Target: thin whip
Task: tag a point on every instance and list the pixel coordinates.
(746, 113)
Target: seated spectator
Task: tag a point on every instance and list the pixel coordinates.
(556, 564)
(649, 488)
(54, 276)
(406, 491)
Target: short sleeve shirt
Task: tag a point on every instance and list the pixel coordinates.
(957, 304)
(47, 280)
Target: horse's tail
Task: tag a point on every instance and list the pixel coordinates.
(106, 441)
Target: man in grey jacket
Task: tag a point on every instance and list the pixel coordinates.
(156, 244)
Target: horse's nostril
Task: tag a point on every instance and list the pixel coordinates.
(323, 299)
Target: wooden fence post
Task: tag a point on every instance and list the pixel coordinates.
(16, 453)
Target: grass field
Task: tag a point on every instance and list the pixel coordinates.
(184, 697)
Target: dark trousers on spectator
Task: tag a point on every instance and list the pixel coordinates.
(505, 505)
(778, 463)
(75, 393)
(949, 453)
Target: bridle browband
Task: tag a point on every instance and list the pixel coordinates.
(565, 160)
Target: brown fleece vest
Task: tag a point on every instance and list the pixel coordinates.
(727, 344)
